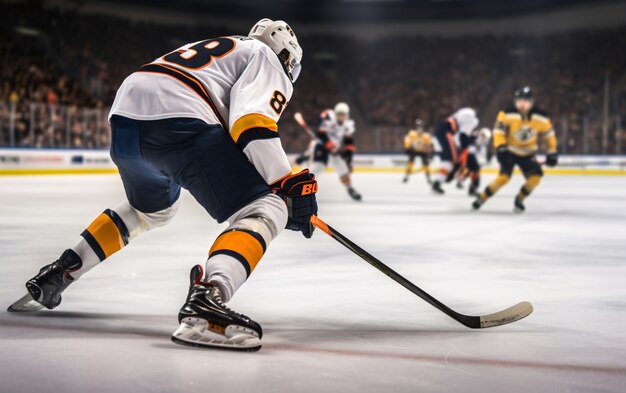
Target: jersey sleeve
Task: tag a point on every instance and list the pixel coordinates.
(407, 142)
(546, 130)
(499, 130)
(257, 100)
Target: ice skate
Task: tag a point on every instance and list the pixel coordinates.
(206, 322)
(518, 206)
(477, 203)
(437, 188)
(44, 290)
(354, 194)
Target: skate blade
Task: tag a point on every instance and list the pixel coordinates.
(25, 304)
(194, 332)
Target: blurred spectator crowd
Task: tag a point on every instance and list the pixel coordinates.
(59, 71)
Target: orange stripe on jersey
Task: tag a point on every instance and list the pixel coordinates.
(106, 233)
(188, 80)
(252, 120)
(246, 246)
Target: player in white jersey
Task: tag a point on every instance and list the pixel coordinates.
(335, 132)
(462, 122)
(477, 144)
(202, 117)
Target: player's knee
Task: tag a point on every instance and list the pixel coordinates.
(533, 181)
(158, 219)
(502, 179)
(266, 216)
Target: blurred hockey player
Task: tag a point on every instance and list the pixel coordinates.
(335, 133)
(515, 139)
(202, 117)
(418, 143)
(462, 122)
(470, 164)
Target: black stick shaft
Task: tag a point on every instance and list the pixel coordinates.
(469, 321)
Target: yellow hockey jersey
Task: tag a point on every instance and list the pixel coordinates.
(418, 142)
(521, 133)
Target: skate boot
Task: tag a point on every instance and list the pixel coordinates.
(477, 203)
(472, 191)
(46, 287)
(354, 194)
(406, 179)
(437, 188)
(459, 185)
(519, 206)
(206, 322)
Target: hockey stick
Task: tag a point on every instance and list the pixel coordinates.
(511, 314)
(300, 120)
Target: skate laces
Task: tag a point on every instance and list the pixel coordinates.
(216, 296)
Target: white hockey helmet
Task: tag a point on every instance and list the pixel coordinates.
(342, 107)
(282, 40)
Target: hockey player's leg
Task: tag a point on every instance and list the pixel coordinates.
(425, 167)
(151, 203)
(448, 156)
(445, 169)
(500, 181)
(344, 176)
(507, 163)
(475, 183)
(533, 173)
(204, 318)
(409, 166)
(474, 174)
(106, 235)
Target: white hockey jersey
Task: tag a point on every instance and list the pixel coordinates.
(335, 131)
(236, 82)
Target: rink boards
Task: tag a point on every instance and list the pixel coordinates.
(60, 161)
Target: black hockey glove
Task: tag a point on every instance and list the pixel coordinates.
(298, 192)
(552, 159)
(503, 155)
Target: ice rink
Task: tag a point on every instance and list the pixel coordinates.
(332, 323)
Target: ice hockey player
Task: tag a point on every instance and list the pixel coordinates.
(515, 139)
(202, 117)
(462, 122)
(334, 130)
(418, 143)
(470, 164)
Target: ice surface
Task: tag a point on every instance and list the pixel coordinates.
(331, 321)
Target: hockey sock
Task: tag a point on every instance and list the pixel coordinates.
(531, 183)
(232, 259)
(238, 250)
(106, 235)
(495, 185)
(409, 168)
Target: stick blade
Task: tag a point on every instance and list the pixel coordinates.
(25, 304)
(511, 314)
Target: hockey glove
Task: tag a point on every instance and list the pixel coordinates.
(503, 155)
(552, 159)
(298, 192)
